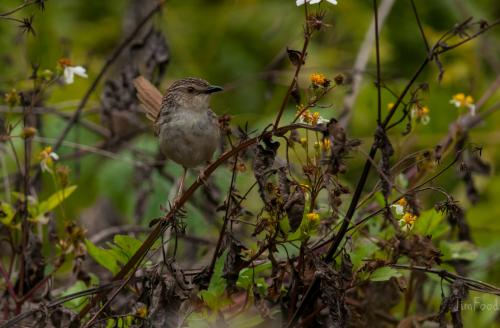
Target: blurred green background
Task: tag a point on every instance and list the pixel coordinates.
(240, 44)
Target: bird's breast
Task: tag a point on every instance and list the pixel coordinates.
(189, 138)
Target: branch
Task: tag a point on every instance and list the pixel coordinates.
(12, 11)
(362, 61)
(163, 224)
(471, 283)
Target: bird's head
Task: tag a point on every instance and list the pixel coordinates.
(191, 93)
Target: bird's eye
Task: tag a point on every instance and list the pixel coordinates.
(190, 89)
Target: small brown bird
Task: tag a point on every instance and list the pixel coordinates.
(187, 129)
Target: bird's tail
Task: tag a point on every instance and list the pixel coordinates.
(149, 96)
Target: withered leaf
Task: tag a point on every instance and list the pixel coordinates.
(294, 208)
(295, 56)
(234, 260)
(452, 303)
(384, 144)
(296, 93)
(262, 165)
(333, 295)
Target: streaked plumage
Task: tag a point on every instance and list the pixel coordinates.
(187, 128)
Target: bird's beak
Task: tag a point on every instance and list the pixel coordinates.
(214, 88)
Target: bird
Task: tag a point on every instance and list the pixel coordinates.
(187, 129)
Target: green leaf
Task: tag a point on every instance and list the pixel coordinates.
(363, 250)
(54, 200)
(105, 257)
(461, 250)
(249, 276)
(129, 245)
(75, 304)
(7, 214)
(384, 273)
(214, 296)
(431, 223)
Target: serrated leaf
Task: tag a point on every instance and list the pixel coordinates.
(214, 296)
(384, 274)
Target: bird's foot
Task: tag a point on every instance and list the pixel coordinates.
(202, 178)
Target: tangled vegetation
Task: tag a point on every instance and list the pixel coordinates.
(283, 228)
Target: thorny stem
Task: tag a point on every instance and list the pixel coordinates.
(293, 84)
(226, 220)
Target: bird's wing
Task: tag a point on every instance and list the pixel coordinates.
(149, 96)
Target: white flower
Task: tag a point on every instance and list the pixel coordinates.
(71, 71)
(311, 2)
(47, 158)
(399, 209)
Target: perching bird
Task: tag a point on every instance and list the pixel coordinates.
(187, 129)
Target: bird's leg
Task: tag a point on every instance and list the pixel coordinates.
(202, 177)
(181, 184)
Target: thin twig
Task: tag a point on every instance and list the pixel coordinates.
(361, 62)
(471, 283)
(377, 55)
(226, 219)
(293, 84)
(20, 7)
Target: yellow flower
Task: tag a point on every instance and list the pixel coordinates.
(461, 100)
(390, 105)
(12, 98)
(314, 118)
(312, 217)
(303, 141)
(402, 202)
(64, 62)
(305, 114)
(47, 158)
(409, 219)
(318, 79)
(421, 114)
(326, 144)
(142, 311)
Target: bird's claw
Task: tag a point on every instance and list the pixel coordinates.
(202, 178)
